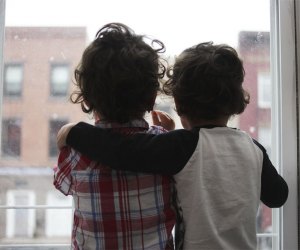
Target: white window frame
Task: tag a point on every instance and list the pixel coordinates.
(284, 113)
(285, 29)
(2, 29)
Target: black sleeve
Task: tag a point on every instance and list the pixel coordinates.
(274, 189)
(165, 153)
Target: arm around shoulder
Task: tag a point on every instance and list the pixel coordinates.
(160, 154)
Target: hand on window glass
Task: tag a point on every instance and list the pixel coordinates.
(62, 135)
(162, 119)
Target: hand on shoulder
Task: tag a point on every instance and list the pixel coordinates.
(62, 135)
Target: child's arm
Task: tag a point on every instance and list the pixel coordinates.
(143, 153)
(274, 189)
(62, 173)
(62, 135)
(162, 154)
(159, 118)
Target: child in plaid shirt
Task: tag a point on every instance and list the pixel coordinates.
(117, 80)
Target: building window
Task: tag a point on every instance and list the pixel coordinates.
(54, 126)
(20, 222)
(264, 90)
(11, 137)
(59, 79)
(13, 78)
(54, 217)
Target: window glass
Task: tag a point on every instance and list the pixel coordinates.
(11, 137)
(54, 217)
(50, 49)
(59, 80)
(13, 77)
(264, 93)
(20, 222)
(54, 126)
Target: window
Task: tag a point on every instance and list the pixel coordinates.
(54, 217)
(54, 126)
(264, 137)
(60, 79)
(11, 137)
(13, 78)
(50, 49)
(20, 222)
(264, 90)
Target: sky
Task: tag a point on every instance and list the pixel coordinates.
(179, 24)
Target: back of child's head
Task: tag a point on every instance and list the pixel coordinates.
(206, 82)
(118, 76)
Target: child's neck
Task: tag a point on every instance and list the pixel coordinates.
(219, 122)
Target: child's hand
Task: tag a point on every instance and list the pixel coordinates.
(62, 135)
(162, 119)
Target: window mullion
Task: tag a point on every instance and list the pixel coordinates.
(2, 31)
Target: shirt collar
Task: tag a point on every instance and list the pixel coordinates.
(137, 123)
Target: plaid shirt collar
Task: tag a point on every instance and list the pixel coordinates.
(137, 123)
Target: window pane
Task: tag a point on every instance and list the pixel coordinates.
(28, 142)
(13, 77)
(50, 49)
(11, 137)
(59, 80)
(54, 126)
(264, 93)
(20, 222)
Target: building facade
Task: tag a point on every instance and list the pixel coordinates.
(38, 79)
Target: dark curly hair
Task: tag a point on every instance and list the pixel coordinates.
(206, 82)
(119, 74)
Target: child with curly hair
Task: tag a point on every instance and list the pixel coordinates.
(117, 79)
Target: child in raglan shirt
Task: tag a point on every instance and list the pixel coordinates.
(221, 173)
(117, 79)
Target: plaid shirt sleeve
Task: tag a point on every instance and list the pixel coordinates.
(62, 173)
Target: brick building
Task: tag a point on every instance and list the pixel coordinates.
(38, 71)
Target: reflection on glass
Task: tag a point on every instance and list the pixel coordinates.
(40, 58)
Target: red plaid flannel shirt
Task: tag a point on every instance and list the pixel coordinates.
(116, 209)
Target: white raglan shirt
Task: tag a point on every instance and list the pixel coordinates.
(219, 191)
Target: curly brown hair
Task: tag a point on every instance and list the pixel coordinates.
(206, 82)
(119, 74)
